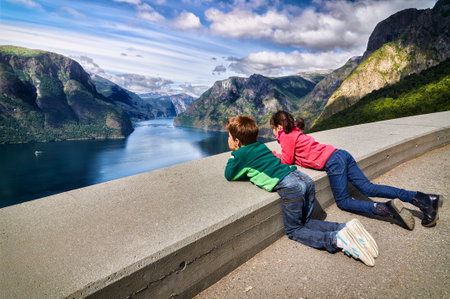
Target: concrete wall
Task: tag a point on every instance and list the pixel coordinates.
(174, 231)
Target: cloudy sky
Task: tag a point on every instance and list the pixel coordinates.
(187, 45)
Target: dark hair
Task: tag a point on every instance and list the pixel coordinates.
(300, 123)
(244, 128)
(286, 120)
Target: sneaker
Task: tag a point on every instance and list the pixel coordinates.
(363, 236)
(404, 214)
(352, 247)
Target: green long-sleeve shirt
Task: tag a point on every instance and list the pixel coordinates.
(255, 162)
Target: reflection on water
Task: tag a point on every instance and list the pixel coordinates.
(30, 171)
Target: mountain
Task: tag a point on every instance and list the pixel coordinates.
(133, 105)
(144, 106)
(46, 96)
(180, 102)
(314, 76)
(316, 100)
(257, 95)
(405, 43)
(425, 92)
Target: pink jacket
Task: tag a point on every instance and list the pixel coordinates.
(298, 148)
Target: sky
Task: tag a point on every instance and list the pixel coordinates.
(184, 46)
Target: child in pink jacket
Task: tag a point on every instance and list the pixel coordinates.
(303, 150)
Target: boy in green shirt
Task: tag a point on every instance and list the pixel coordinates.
(253, 161)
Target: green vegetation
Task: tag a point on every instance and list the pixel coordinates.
(426, 92)
(40, 103)
(258, 96)
(19, 51)
(29, 125)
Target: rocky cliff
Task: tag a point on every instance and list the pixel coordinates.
(425, 92)
(45, 96)
(135, 107)
(316, 100)
(406, 43)
(257, 95)
(180, 101)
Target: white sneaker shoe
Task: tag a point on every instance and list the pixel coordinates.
(363, 236)
(352, 247)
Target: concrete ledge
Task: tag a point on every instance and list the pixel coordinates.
(174, 231)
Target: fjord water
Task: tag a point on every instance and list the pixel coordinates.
(30, 171)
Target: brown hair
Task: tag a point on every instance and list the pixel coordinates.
(244, 128)
(287, 121)
(300, 123)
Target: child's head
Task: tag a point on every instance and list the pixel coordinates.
(283, 119)
(242, 130)
(286, 121)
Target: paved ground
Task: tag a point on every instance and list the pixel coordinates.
(411, 264)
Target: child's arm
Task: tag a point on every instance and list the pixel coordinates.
(234, 170)
(287, 154)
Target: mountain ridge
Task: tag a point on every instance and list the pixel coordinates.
(257, 95)
(405, 43)
(46, 96)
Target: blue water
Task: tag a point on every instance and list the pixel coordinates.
(30, 171)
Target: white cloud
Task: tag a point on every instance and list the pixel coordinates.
(28, 3)
(186, 20)
(339, 29)
(148, 13)
(219, 69)
(244, 23)
(197, 2)
(153, 54)
(133, 82)
(254, 4)
(88, 64)
(339, 24)
(140, 83)
(193, 90)
(280, 63)
(73, 12)
(135, 2)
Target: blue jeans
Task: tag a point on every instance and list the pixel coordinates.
(297, 194)
(341, 168)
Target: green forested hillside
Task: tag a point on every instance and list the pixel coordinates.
(403, 44)
(257, 95)
(45, 96)
(426, 92)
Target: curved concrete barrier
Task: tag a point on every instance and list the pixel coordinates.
(174, 231)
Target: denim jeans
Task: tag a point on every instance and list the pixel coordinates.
(297, 194)
(341, 168)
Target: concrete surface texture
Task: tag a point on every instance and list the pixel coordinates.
(174, 230)
(411, 264)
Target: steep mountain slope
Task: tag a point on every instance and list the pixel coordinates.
(45, 96)
(145, 106)
(170, 104)
(403, 44)
(135, 107)
(318, 97)
(426, 92)
(180, 101)
(257, 95)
